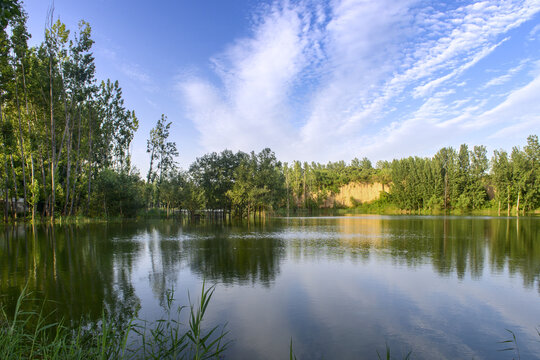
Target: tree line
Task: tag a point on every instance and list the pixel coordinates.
(62, 133)
(65, 150)
(460, 180)
(463, 180)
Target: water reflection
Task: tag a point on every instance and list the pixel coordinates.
(389, 273)
(87, 266)
(459, 245)
(77, 270)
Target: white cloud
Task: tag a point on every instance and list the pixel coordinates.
(534, 31)
(135, 72)
(508, 124)
(426, 89)
(249, 109)
(520, 105)
(506, 77)
(322, 83)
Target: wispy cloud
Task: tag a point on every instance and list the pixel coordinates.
(520, 105)
(356, 77)
(249, 107)
(535, 30)
(136, 73)
(506, 77)
(133, 71)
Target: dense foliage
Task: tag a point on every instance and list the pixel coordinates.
(451, 180)
(460, 180)
(64, 136)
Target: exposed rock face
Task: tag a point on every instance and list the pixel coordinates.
(360, 192)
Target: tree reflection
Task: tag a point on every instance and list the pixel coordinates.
(234, 254)
(80, 270)
(463, 246)
(467, 245)
(73, 271)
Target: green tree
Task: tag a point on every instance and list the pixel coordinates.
(117, 194)
(501, 171)
(215, 174)
(532, 173)
(162, 155)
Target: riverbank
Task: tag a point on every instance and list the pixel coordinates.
(384, 206)
(376, 207)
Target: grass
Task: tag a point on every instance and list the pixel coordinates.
(388, 355)
(30, 335)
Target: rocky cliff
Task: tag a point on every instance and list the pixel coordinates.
(355, 192)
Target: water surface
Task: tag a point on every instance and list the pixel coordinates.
(339, 287)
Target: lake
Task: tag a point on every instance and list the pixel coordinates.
(338, 287)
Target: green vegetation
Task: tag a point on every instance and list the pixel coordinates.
(65, 140)
(31, 335)
(459, 180)
(449, 181)
(64, 137)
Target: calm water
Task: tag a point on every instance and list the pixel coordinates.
(339, 287)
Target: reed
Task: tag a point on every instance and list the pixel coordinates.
(31, 335)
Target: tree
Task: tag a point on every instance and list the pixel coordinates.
(259, 184)
(215, 174)
(444, 162)
(519, 174)
(53, 119)
(8, 10)
(532, 173)
(162, 152)
(502, 177)
(117, 194)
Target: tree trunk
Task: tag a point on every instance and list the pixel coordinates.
(89, 163)
(6, 192)
(31, 160)
(77, 164)
(21, 144)
(288, 195)
(305, 189)
(148, 182)
(15, 187)
(445, 190)
(6, 179)
(45, 208)
(508, 199)
(68, 175)
(499, 209)
(517, 210)
(53, 140)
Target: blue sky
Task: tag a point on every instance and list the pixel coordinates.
(319, 81)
